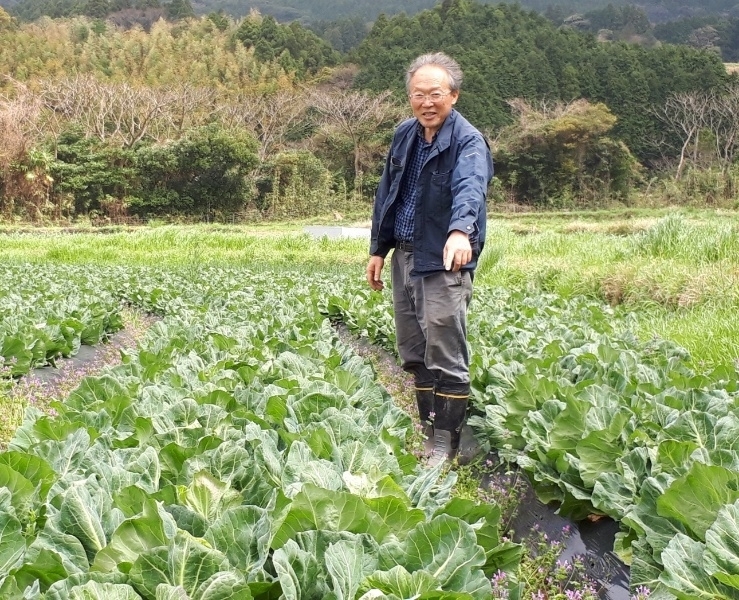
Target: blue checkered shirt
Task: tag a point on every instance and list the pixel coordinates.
(406, 213)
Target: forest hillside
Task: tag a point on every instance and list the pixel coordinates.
(215, 115)
(309, 11)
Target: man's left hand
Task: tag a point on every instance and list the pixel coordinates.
(457, 251)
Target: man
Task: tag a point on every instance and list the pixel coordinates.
(430, 209)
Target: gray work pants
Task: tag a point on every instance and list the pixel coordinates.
(431, 325)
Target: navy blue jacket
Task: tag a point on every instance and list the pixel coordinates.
(452, 189)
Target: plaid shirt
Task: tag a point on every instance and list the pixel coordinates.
(405, 215)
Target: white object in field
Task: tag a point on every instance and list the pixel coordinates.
(338, 232)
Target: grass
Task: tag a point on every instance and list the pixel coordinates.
(678, 275)
(176, 246)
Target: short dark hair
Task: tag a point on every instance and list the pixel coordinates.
(438, 59)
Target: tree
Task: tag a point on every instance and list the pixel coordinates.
(557, 152)
(89, 170)
(124, 114)
(295, 184)
(685, 115)
(269, 117)
(692, 116)
(96, 8)
(24, 174)
(357, 115)
(506, 52)
(204, 174)
(724, 125)
(5, 19)
(705, 37)
(179, 9)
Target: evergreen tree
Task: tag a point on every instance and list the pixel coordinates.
(507, 53)
(179, 9)
(96, 8)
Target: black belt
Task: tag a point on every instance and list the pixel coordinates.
(404, 246)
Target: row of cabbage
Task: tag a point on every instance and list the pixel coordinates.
(42, 320)
(605, 424)
(241, 451)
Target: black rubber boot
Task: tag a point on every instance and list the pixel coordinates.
(450, 411)
(425, 402)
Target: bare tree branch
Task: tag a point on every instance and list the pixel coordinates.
(357, 115)
(269, 117)
(685, 114)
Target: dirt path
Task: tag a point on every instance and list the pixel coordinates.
(44, 386)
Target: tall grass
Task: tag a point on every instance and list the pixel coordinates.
(710, 333)
(676, 238)
(678, 275)
(176, 246)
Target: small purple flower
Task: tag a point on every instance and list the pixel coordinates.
(642, 593)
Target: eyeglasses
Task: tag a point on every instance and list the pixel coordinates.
(433, 96)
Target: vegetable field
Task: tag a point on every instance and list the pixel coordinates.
(242, 450)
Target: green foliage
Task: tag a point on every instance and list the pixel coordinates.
(307, 11)
(606, 424)
(343, 34)
(193, 51)
(204, 174)
(627, 22)
(296, 48)
(179, 9)
(89, 171)
(241, 451)
(507, 53)
(41, 322)
(31, 10)
(295, 185)
(552, 157)
(220, 20)
(717, 32)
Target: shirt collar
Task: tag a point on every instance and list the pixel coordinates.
(421, 134)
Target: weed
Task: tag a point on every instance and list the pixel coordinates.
(544, 577)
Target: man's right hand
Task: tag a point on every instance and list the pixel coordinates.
(374, 270)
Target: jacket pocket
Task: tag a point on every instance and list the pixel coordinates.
(441, 178)
(441, 190)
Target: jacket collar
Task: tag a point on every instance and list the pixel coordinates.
(444, 136)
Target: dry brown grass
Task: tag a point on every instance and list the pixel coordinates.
(668, 286)
(618, 227)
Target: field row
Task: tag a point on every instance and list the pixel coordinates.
(242, 451)
(605, 424)
(42, 320)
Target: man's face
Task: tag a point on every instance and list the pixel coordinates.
(429, 80)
